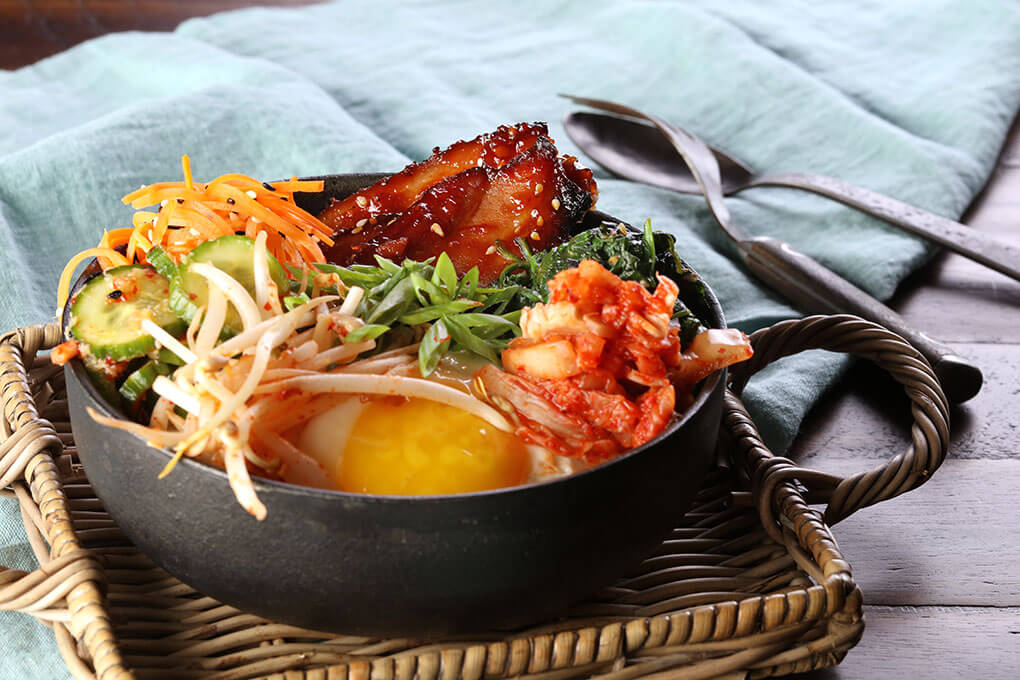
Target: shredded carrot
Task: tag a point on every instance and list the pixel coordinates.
(137, 241)
(111, 258)
(180, 242)
(115, 237)
(154, 194)
(206, 227)
(190, 212)
(163, 222)
(186, 164)
(143, 218)
(64, 352)
(295, 185)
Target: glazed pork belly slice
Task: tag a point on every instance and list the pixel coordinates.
(530, 197)
(393, 195)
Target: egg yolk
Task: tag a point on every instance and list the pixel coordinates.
(421, 447)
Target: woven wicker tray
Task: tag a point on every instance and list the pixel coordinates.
(752, 584)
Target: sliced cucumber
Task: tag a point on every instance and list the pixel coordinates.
(159, 259)
(137, 384)
(233, 255)
(106, 387)
(169, 357)
(107, 313)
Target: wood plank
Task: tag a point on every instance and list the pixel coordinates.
(950, 541)
(933, 643)
(995, 208)
(960, 301)
(953, 273)
(953, 541)
(995, 218)
(34, 29)
(1010, 155)
(867, 417)
(942, 543)
(951, 290)
(1000, 190)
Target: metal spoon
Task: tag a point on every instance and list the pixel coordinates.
(640, 152)
(801, 279)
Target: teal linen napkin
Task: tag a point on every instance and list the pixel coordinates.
(911, 99)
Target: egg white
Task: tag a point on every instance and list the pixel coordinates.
(325, 436)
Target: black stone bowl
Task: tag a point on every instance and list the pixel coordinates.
(387, 565)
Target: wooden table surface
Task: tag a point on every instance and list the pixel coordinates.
(939, 567)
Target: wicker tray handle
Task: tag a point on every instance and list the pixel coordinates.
(845, 496)
(68, 571)
(66, 590)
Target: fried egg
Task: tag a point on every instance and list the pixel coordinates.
(414, 447)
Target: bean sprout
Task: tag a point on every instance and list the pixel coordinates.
(234, 291)
(232, 400)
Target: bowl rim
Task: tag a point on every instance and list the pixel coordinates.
(76, 369)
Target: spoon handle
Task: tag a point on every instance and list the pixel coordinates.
(818, 290)
(805, 282)
(1000, 256)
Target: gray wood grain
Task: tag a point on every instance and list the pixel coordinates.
(1009, 157)
(951, 542)
(999, 194)
(33, 29)
(932, 643)
(954, 541)
(960, 301)
(867, 416)
(953, 290)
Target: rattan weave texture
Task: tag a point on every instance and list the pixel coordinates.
(752, 584)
